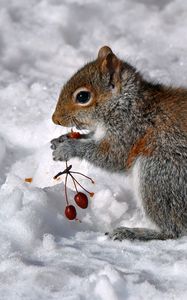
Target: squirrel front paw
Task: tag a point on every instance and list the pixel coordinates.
(63, 150)
(55, 142)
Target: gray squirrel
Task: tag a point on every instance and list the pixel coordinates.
(132, 124)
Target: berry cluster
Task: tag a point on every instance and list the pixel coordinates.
(80, 198)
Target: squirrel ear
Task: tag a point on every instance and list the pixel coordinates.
(110, 64)
(103, 52)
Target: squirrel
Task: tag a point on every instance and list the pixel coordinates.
(132, 124)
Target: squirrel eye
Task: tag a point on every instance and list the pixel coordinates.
(82, 96)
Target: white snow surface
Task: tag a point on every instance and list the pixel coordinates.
(42, 254)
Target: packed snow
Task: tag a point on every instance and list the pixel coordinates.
(42, 254)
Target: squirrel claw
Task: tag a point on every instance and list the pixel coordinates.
(53, 147)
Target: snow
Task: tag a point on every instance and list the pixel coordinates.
(42, 254)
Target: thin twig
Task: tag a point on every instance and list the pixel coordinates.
(63, 172)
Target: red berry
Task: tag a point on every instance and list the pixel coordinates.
(81, 199)
(74, 135)
(70, 212)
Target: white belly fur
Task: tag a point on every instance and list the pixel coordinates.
(135, 180)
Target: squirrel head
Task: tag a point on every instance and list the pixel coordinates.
(90, 91)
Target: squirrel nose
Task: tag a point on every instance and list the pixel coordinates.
(56, 119)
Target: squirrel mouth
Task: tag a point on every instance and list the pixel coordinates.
(79, 125)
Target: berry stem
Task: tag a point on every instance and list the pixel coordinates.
(79, 183)
(83, 175)
(74, 183)
(66, 196)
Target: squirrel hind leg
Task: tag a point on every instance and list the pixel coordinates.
(141, 234)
